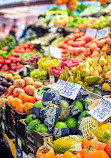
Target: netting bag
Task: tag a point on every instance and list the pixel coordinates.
(87, 126)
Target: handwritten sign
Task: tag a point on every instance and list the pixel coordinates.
(102, 111)
(102, 33)
(91, 32)
(53, 52)
(66, 89)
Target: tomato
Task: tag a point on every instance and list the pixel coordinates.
(58, 156)
(72, 154)
(90, 152)
(45, 152)
(108, 147)
(90, 141)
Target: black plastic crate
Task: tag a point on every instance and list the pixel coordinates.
(39, 138)
(13, 119)
(31, 148)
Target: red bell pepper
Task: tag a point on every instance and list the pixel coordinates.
(2, 60)
(13, 66)
(5, 67)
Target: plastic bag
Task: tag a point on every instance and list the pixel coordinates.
(50, 97)
(50, 116)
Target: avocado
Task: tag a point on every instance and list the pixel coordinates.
(32, 125)
(78, 104)
(60, 125)
(41, 128)
(64, 110)
(29, 118)
(38, 104)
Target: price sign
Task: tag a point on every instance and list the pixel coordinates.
(66, 89)
(102, 33)
(53, 52)
(102, 111)
(91, 32)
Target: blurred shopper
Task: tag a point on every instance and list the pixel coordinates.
(2, 34)
(13, 31)
(4, 28)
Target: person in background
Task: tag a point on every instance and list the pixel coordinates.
(4, 28)
(2, 34)
(13, 31)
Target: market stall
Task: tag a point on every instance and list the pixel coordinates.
(55, 85)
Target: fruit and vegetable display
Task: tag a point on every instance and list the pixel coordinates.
(10, 64)
(21, 93)
(81, 22)
(25, 48)
(46, 62)
(102, 22)
(6, 42)
(59, 107)
(65, 62)
(79, 43)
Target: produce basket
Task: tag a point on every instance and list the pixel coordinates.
(13, 118)
(36, 139)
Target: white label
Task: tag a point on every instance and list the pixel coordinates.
(102, 33)
(19, 143)
(53, 52)
(91, 32)
(66, 89)
(102, 111)
(3, 127)
(52, 79)
(53, 29)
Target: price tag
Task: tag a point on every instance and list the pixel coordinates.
(102, 33)
(19, 144)
(66, 89)
(53, 52)
(91, 32)
(102, 111)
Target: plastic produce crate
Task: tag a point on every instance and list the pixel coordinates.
(13, 119)
(36, 139)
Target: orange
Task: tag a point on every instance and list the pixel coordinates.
(27, 106)
(10, 100)
(20, 108)
(16, 102)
